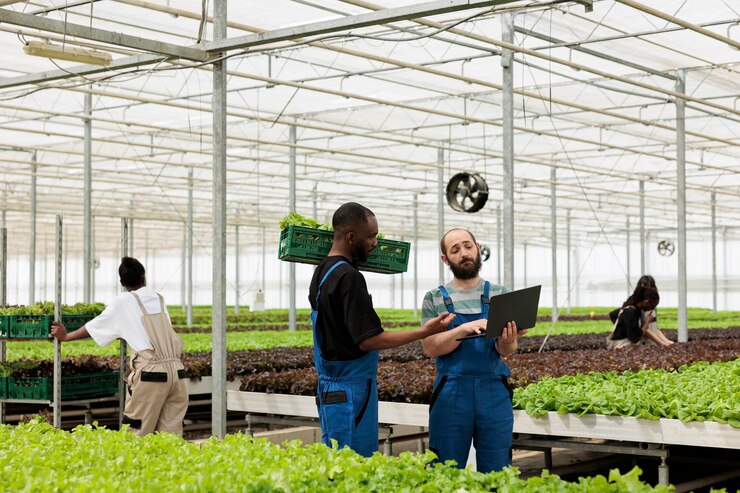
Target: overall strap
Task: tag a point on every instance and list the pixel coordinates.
(323, 279)
(138, 300)
(161, 303)
(485, 299)
(447, 299)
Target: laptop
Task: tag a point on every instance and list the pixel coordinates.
(519, 306)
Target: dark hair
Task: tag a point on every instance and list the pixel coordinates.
(132, 273)
(647, 281)
(442, 245)
(642, 293)
(349, 216)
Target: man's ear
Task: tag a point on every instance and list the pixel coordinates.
(444, 259)
(349, 237)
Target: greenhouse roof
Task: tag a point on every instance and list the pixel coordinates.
(377, 108)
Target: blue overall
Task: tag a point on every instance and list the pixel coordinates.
(347, 394)
(472, 399)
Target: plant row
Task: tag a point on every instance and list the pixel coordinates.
(588, 353)
(38, 457)
(413, 381)
(697, 392)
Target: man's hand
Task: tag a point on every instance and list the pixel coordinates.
(59, 331)
(474, 327)
(510, 333)
(508, 342)
(438, 324)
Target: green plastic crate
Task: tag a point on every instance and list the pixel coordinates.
(310, 246)
(3, 387)
(39, 326)
(74, 322)
(4, 326)
(73, 387)
(30, 326)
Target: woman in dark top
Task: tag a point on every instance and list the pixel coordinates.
(629, 328)
(659, 338)
(648, 282)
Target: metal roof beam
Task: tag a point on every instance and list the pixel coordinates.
(102, 36)
(576, 47)
(680, 22)
(383, 16)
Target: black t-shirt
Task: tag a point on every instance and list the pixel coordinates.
(628, 326)
(346, 313)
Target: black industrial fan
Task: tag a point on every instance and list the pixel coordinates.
(467, 192)
(485, 252)
(666, 248)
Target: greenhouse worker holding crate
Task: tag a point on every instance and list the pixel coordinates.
(158, 391)
(472, 398)
(348, 334)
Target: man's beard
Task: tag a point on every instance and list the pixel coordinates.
(466, 271)
(360, 255)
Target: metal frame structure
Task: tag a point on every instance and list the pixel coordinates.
(216, 122)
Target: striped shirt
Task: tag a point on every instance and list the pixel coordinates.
(464, 301)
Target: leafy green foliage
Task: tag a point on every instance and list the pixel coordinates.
(91, 459)
(295, 219)
(47, 308)
(697, 392)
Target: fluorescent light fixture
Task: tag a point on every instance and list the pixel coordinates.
(69, 53)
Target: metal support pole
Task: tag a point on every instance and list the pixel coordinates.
(292, 288)
(315, 197)
(577, 264)
(87, 261)
(218, 357)
(440, 207)
(57, 391)
(130, 236)
(4, 266)
(499, 229)
(92, 256)
(236, 271)
(402, 278)
(525, 265)
(714, 253)
(189, 316)
(643, 252)
(683, 333)
(663, 477)
(393, 291)
(3, 295)
(507, 64)
(627, 251)
(416, 256)
(264, 259)
(32, 249)
(123, 349)
(183, 268)
(568, 266)
(554, 242)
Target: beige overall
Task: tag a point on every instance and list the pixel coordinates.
(158, 391)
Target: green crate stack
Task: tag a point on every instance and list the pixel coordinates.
(305, 245)
(3, 387)
(38, 326)
(389, 257)
(310, 246)
(30, 326)
(73, 387)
